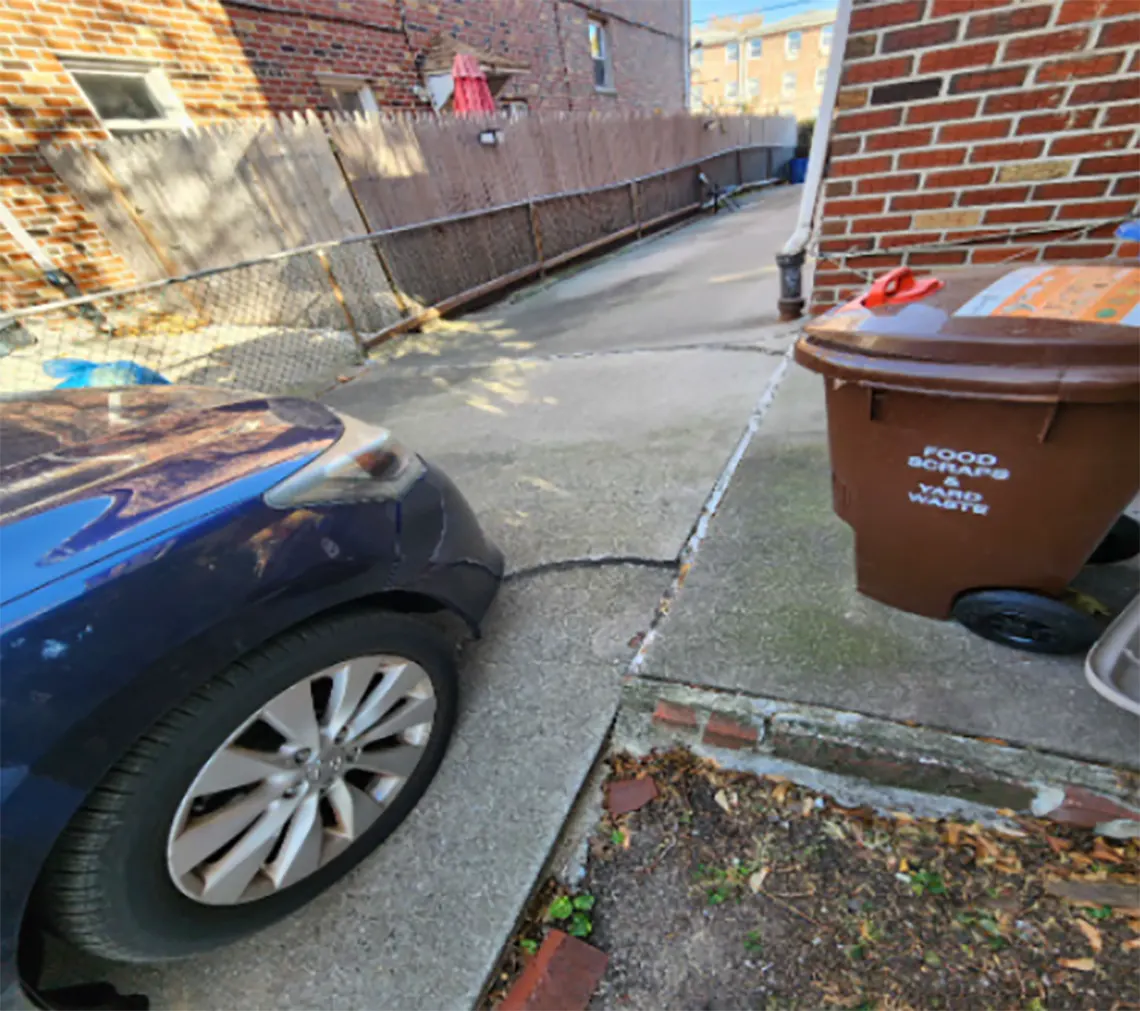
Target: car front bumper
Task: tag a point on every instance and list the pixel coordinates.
(444, 553)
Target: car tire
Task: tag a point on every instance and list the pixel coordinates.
(108, 888)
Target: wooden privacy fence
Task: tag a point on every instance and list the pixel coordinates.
(279, 250)
(173, 203)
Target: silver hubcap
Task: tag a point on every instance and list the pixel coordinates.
(303, 778)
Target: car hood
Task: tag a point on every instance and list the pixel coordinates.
(88, 472)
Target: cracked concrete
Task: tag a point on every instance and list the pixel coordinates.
(587, 420)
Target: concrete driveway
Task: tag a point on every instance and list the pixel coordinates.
(587, 420)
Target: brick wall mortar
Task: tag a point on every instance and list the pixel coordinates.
(1059, 148)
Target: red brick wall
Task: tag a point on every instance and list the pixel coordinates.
(960, 121)
(224, 60)
(40, 103)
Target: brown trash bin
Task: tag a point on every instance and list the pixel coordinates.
(985, 436)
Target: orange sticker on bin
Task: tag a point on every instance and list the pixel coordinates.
(1081, 294)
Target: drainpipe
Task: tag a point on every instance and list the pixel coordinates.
(686, 56)
(791, 259)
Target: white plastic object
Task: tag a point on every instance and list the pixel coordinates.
(1113, 664)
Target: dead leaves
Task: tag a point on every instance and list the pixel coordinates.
(756, 880)
(1092, 935)
(1106, 854)
(1078, 964)
(726, 800)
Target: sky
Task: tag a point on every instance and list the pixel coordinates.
(773, 10)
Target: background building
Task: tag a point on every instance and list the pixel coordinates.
(93, 68)
(744, 64)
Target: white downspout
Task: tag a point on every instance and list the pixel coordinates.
(791, 258)
(687, 55)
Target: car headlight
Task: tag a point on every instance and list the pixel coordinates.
(365, 464)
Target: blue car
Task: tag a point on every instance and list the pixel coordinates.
(221, 685)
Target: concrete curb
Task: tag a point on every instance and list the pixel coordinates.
(863, 760)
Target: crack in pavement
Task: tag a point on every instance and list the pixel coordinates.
(593, 562)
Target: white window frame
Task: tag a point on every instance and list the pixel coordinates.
(784, 92)
(752, 87)
(358, 85)
(158, 86)
(820, 79)
(729, 49)
(697, 94)
(788, 50)
(606, 60)
(731, 90)
(758, 45)
(825, 35)
(697, 56)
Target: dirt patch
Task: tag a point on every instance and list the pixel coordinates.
(729, 891)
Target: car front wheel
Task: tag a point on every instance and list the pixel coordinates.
(258, 792)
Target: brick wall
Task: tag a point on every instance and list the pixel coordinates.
(225, 60)
(959, 122)
(40, 103)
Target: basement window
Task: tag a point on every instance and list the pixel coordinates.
(600, 55)
(127, 96)
(347, 94)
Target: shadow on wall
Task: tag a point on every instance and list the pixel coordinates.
(50, 108)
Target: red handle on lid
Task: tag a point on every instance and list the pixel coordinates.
(899, 285)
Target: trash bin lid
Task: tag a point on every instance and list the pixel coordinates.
(1062, 332)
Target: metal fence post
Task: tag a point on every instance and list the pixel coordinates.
(536, 237)
(635, 204)
(739, 167)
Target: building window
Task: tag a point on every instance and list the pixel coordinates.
(789, 85)
(128, 96)
(820, 78)
(755, 48)
(825, 39)
(698, 94)
(732, 90)
(753, 88)
(347, 94)
(600, 54)
(793, 42)
(732, 52)
(697, 57)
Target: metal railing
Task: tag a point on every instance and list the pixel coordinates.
(292, 321)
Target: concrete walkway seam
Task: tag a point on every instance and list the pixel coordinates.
(426, 369)
(701, 525)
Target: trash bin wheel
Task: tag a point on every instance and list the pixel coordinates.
(1027, 621)
(1120, 543)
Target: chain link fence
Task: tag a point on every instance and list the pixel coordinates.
(292, 321)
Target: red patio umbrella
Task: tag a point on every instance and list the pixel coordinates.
(472, 94)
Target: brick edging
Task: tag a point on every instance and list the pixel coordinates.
(929, 770)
